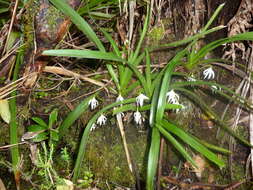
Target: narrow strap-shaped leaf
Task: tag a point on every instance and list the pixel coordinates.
(187, 40)
(211, 46)
(143, 34)
(176, 144)
(155, 143)
(212, 115)
(165, 84)
(192, 142)
(89, 54)
(52, 118)
(148, 73)
(213, 17)
(230, 96)
(153, 159)
(74, 115)
(140, 77)
(127, 74)
(112, 42)
(131, 107)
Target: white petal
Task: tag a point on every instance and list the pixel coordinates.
(93, 127)
(209, 73)
(172, 97)
(140, 99)
(101, 120)
(119, 98)
(93, 103)
(120, 114)
(137, 117)
(5, 111)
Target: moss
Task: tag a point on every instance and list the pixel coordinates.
(32, 7)
(105, 156)
(52, 18)
(156, 34)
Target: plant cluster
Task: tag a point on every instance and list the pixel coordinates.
(158, 92)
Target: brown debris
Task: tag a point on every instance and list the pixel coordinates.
(240, 23)
(47, 36)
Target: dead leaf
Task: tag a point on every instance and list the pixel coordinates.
(2, 187)
(67, 186)
(201, 163)
(5, 111)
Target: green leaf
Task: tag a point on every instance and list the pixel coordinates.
(35, 128)
(74, 115)
(187, 40)
(231, 95)
(153, 159)
(89, 54)
(52, 118)
(209, 112)
(40, 121)
(130, 107)
(102, 15)
(3, 10)
(112, 42)
(192, 142)
(41, 137)
(148, 73)
(211, 46)
(176, 144)
(54, 135)
(161, 102)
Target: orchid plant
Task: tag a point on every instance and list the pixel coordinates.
(158, 92)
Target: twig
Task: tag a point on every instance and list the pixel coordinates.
(206, 186)
(63, 71)
(11, 24)
(123, 135)
(160, 164)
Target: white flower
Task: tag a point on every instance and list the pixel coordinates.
(93, 127)
(140, 99)
(138, 118)
(119, 98)
(120, 114)
(215, 88)
(173, 97)
(93, 103)
(209, 73)
(191, 79)
(101, 120)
